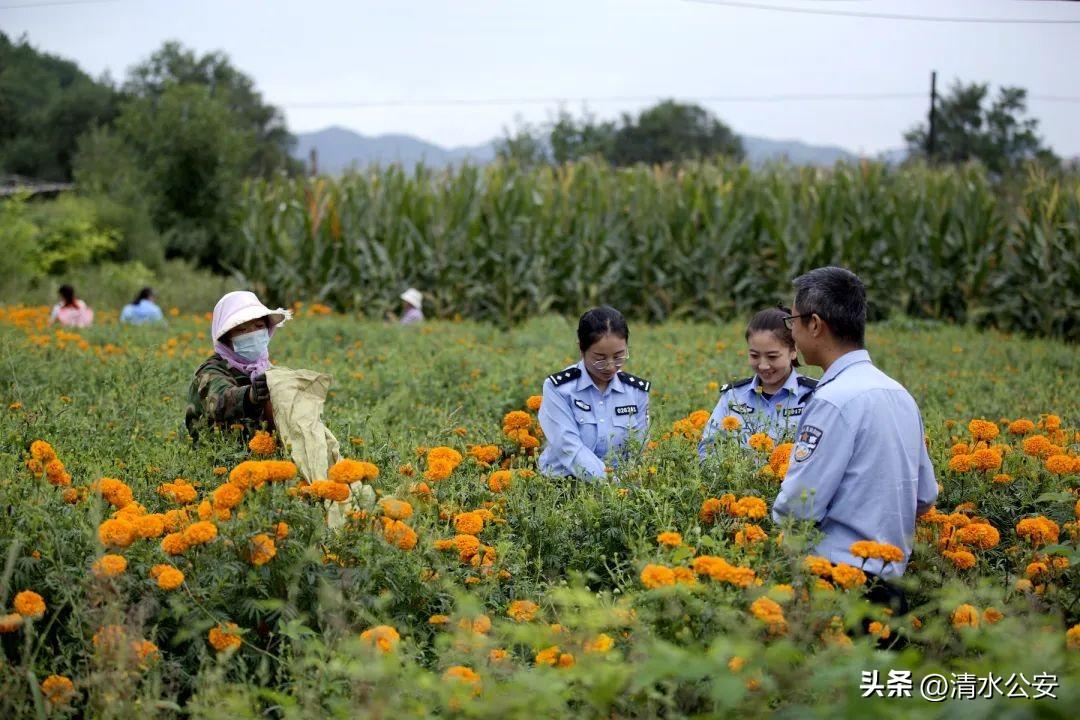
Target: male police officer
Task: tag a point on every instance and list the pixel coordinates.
(859, 467)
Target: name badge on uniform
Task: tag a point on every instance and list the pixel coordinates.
(809, 437)
(793, 411)
(582, 405)
(742, 409)
(626, 410)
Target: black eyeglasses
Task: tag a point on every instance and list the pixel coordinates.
(789, 321)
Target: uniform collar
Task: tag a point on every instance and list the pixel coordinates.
(585, 380)
(842, 363)
(791, 384)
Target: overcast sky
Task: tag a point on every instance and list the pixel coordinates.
(316, 57)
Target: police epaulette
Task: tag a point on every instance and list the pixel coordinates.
(571, 373)
(639, 383)
(737, 383)
(808, 382)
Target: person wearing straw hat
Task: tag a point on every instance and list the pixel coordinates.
(230, 386)
(412, 300)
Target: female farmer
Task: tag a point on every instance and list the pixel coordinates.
(71, 311)
(771, 400)
(230, 387)
(591, 408)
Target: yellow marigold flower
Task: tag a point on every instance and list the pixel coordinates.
(438, 620)
(487, 454)
(174, 544)
(669, 539)
(654, 576)
(522, 610)
(117, 533)
(58, 690)
(114, 491)
(881, 551)
(263, 443)
(168, 578)
(10, 623)
(1036, 446)
(534, 402)
(1060, 464)
(464, 675)
(29, 604)
(880, 630)
(261, 549)
(749, 507)
(992, 615)
(962, 559)
(736, 664)
(220, 470)
(200, 533)
(225, 637)
(42, 451)
(1021, 427)
(730, 422)
(965, 616)
(761, 442)
(352, 471)
(548, 656)
(468, 523)
(848, 576)
(1072, 637)
(228, 495)
(983, 430)
(396, 509)
(109, 566)
(399, 535)
(1038, 530)
(819, 566)
(769, 611)
(383, 637)
(480, 625)
(499, 480)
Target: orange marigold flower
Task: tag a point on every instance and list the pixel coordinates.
(1021, 427)
(200, 533)
(464, 675)
(750, 534)
(602, 643)
(466, 545)
(179, 491)
(722, 571)
(761, 442)
(383, 637)
(1036, 570)
(115, 492)
(516, 420)
(438, 620)
(1036, 446)
(329, 490)
(1060, 464)
(548, 656)
(1002, 479)
(228, 496)
(499, 480)
(352, 471)
(29, 604)
(1072, 637)
(749, 507)
(769, 611)
(961, 463)
(986, 459)
(1038, 530)
(485, 453)
(225, 637)
(965, 616)
(534, 402)
(848, 576)
(10, 623)
(654, 576)
(730, 422)
(1050, 422)
(819, 566)
(174, 544)
(263, 443)
(469, 523)
(522, 610)
(249, 475)
(35, 467)
(117, 533)
(711, 509)
(42, 451)
(279, 470)
(58, 690)
(685, 576)
(879, 629)
(168, 578)
(109, 566)
(261, 549)
(980, 535)
(992, 615)
(396, 509)
(421, 489)
(399, 535)
(983, 430)
(959, 449)
(962, 559)
(669, 539)
(56, 474)
(438, 470)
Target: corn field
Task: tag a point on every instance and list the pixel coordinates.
(702, 242)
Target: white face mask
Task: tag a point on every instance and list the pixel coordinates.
(251, 346)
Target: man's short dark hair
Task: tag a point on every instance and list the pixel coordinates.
(838, 297)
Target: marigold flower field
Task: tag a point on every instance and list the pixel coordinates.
(141, 576)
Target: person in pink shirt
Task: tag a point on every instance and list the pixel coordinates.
(71, 311)
(411, 302)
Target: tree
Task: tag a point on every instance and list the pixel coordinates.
(999, 136)
(674, 131)
(574, 139)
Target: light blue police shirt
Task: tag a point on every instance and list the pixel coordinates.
(859, 467)
(776, 417)
(144, 311)
(583, 426)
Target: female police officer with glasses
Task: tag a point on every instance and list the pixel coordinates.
(590, 409)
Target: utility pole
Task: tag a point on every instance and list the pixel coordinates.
(930, 136)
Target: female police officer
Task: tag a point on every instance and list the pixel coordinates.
(771, 400)
(590, 409)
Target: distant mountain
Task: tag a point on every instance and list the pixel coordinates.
(339, 148)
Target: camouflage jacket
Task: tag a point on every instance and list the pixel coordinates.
(218, 396)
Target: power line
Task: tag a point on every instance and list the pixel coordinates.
(885, 16)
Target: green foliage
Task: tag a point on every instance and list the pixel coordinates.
(999, 136)
(45, 104)
(54, 238)
(704, 240)
(575, 550)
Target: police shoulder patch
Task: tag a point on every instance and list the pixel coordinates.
(807, 382)
(735, 384)
(807, 443)
(635, 382)
(571, 373)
